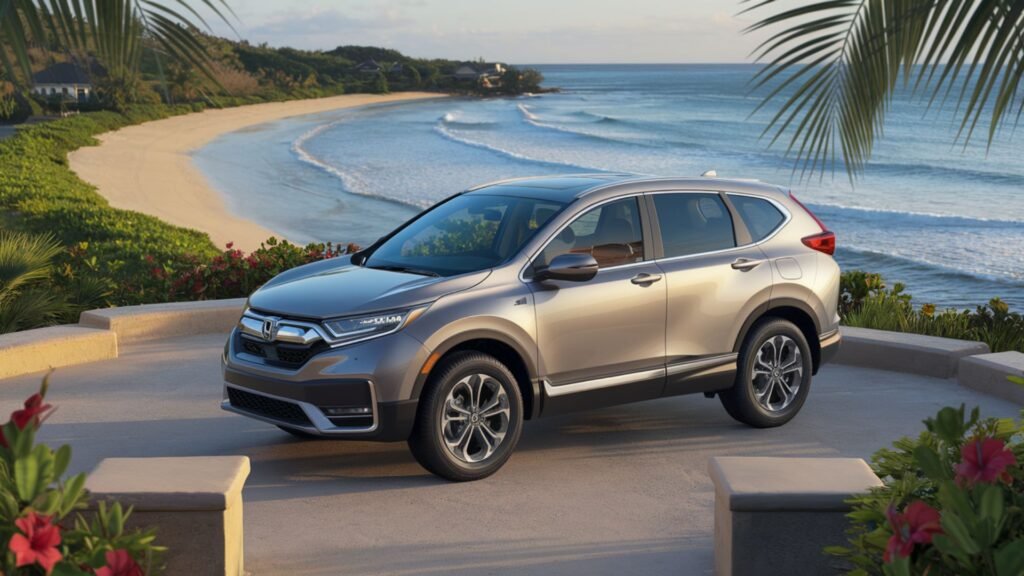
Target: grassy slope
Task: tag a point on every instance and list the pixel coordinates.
(39, 193)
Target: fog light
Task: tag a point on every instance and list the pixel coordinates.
(347, 411)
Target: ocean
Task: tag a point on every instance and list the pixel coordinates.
(946, 220)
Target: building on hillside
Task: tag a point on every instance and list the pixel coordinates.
(68, 80)
(368, 67)
(486, 74)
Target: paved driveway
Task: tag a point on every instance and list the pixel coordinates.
(618, 491)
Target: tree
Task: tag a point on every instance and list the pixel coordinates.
(834, 65)
(380, 84)
(110, 30)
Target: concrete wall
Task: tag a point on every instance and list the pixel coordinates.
(99, 333)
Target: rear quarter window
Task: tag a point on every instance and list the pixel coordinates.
(761, 216)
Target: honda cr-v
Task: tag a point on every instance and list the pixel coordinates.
(533, 297)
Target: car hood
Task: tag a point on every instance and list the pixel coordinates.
(327, 289)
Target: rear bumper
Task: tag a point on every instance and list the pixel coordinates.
(339, 409)
(830, 344)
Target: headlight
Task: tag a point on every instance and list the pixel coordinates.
(354, 328)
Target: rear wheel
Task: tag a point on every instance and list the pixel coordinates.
(773, 375)
(469, 418)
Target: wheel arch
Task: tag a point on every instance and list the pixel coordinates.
(509, 352)
(795, 311)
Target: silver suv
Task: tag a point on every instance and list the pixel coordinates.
(532, 297)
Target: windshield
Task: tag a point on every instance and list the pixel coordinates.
(467, 233)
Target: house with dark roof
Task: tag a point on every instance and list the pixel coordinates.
(66, 79)
(483, 73)
(368, 67)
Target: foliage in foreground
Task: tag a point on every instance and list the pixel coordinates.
(866, 302)
(42, 529)
(952, 502)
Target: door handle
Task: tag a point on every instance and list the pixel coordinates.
(645, 279)
(744, 264)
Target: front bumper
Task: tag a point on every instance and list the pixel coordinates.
(354, 392)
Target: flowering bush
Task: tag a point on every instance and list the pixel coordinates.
(41, 528)
(952, 502)
(232, 274)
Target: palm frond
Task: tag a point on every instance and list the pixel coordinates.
(112, 30)
(24, 258)
(835, 65)
(32, 308)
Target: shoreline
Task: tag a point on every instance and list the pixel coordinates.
(148, 168)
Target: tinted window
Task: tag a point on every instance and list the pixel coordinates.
(760, 215)
(467, 233)
(693, 223)
(610, 232)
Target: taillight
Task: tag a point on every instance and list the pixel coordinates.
(824, 242)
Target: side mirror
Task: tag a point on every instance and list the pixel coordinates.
(569, 267)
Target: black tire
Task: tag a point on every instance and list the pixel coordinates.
(300, 433)
(427, 441)
(741, 401)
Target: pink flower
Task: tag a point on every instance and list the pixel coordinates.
(984, 460)
(36, 543)
(120, 563)
(33, 409)
(916, 525)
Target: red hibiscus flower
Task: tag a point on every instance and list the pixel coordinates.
(33, 409)
(36, 543)
(916, 525)
(120, 563)
(984, 460)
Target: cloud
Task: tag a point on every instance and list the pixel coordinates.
(469, 31)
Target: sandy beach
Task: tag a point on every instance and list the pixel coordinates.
(147, 168)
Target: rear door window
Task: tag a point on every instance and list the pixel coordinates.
(693, 223)
(761, 216)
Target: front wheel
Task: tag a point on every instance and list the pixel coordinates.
(773, 375)
(469, 418)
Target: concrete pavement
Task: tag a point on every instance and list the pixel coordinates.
(619, 490)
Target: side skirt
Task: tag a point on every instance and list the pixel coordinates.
(704, 374)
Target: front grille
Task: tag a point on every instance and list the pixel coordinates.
(280, 353)
(268, 407)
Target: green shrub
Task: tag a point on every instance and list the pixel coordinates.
(40, 194)
(866, 302)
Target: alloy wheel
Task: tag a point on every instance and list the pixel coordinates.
(475, 418)
(777, 373)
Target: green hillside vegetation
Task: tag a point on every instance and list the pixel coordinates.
(250, 73)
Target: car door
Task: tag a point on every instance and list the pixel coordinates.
(715, 278)
(601, 342)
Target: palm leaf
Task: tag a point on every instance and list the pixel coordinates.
(112, 30)
(23, 259)
(32, 308)
(835, 65)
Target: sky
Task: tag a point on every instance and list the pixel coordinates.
(519, 31)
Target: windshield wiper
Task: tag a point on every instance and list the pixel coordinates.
(408, 270)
